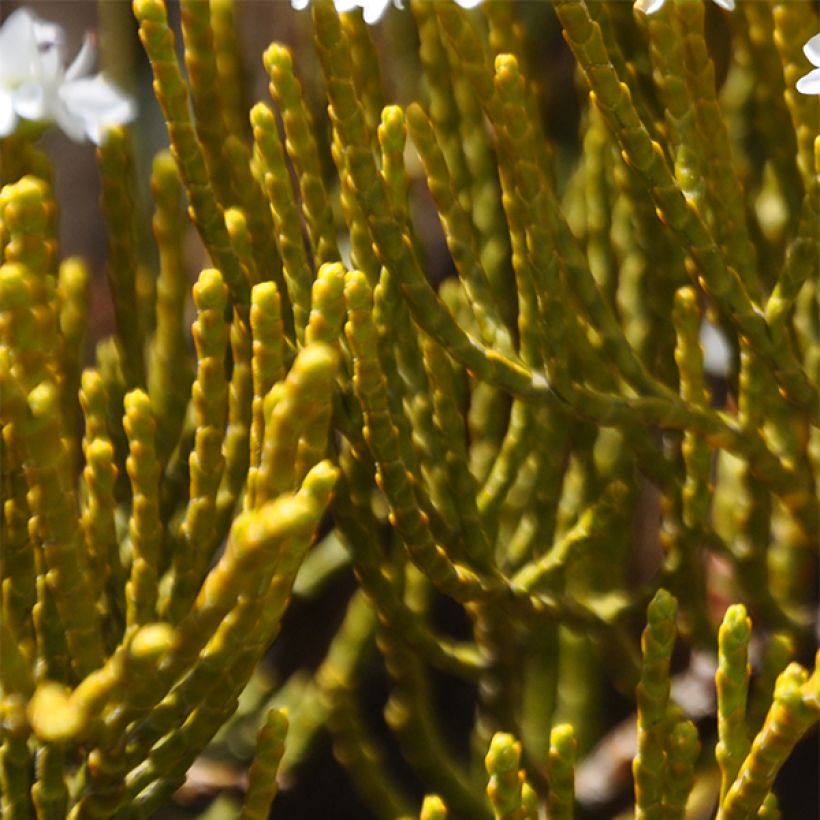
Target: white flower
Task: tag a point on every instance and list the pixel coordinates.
(651, 6)
(717, 353)
(810, 84)
(373, 9)
(35, 85)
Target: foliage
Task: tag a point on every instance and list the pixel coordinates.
(534, 446)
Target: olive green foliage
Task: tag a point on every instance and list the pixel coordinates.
(510, 414)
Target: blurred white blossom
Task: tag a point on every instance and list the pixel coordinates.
(717, 353)
(373, 9)
(35, 85)
(810, 84)
(651, 6)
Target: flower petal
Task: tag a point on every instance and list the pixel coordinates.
(84, 60)
(48, 35)
(373, 10)
(71, 123)
(8, 118)
(50, 71)
(648, 6)
(812, 51)
(32, 102)
(96, 103)
(50, 48)
(810, 84)
(19, 55)
(729, 5)
(96, 95)
(717, 354)
(299, 5)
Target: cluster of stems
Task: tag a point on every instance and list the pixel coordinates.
(510, 420)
